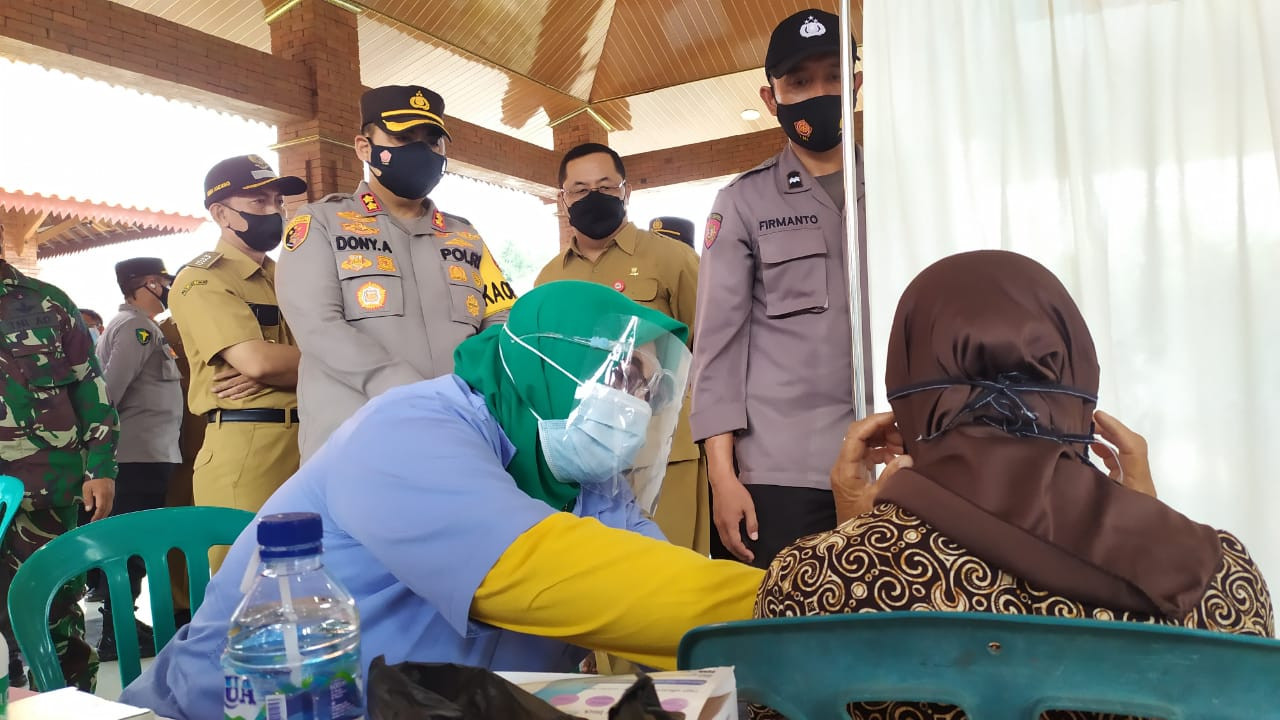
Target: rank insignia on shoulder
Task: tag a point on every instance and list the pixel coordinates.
(143, 335)
(370, 202)
(206, 260)
(793, 179)
(296, 232)
(437, 220)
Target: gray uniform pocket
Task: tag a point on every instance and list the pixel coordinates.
(794, 270)
(371, 285)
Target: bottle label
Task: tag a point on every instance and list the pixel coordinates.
(336, 697)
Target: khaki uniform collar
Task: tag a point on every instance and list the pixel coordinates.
(625, 240)
(242, 264)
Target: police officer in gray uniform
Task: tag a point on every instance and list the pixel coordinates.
(144, 385)
(772, 375)
(379, 285)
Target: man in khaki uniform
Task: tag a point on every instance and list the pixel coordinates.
(654, 270)
(379, 284)
(243, 359)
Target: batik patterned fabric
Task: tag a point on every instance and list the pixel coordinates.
(890, 559)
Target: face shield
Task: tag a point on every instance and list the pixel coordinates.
(629, 390)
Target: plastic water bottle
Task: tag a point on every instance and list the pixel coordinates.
(293, 647)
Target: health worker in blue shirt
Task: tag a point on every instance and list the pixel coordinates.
(488, 517)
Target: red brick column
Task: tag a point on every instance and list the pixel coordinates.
(19, 254)
(579, 129)
(323, 37)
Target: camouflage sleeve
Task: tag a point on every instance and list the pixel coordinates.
(96, 419)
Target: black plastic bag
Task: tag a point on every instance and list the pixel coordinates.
(439, 691)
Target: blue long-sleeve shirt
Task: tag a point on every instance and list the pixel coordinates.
(417, 508)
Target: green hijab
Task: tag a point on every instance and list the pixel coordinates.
(570, 308)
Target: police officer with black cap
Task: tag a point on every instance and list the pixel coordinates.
(380, 285)
(772, 404)
(243, 360)
(674, 227)
(143, 384)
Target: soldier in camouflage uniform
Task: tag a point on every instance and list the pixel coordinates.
(58, 436)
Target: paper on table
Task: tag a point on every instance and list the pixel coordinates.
(72, 704)
(708, 694)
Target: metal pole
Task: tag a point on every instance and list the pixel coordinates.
(852, 235)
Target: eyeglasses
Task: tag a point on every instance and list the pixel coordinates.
(578, 193)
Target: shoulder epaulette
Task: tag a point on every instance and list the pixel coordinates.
(458, 218)
(205, 260)
(762, 166)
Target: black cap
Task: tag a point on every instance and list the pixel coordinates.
(803, 35)
(133, 268)
(396, 108)
(246, 172)
(673, 227)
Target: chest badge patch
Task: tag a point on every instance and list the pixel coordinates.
(355, 216)
(370, 202)
(360, 228)
(371, 296)
(475, 278)
(356, 262)
(296, 233)
(143, 335)
(457, 274)
(713, 229)
(386, 264)
(473, 306)
(619, 285)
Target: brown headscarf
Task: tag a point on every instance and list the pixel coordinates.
(1000, 378)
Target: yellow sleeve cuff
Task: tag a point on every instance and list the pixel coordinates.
(613, 590)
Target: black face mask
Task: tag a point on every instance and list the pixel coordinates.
(162, 296)
(264, 232)
(410, 171)
(813, 124)
(597, 215)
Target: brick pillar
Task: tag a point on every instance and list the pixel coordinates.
(18, 252)
(323, 36)
(579, 129)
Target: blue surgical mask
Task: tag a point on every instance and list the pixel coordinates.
(93, 335)
(599, 439)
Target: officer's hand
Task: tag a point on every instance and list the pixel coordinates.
(733, 505)
(229, 384)
(872, 441)
(1131, 468)
(99, 496)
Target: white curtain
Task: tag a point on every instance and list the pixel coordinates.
(1133, 147)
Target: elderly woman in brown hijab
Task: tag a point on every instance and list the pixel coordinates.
(992, 376)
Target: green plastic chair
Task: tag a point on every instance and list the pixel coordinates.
(11, 492)
(108, 544)
(995, 667)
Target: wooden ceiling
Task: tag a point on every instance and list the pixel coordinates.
(660, 73)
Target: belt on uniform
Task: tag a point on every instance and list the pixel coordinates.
(256, 415)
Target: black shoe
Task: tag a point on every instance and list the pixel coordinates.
(107, 643)
(17, 673)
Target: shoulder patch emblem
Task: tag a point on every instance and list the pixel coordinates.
(356, 262)
(204, 261)
(194, 283)
(371, 296)
(386, 264)
(296, 232)
(437, 220)
(370, 202)
(143, 335)
(713, 228)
